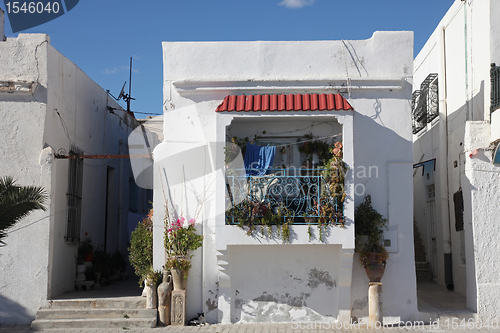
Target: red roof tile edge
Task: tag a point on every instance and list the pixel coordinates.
(304, 102)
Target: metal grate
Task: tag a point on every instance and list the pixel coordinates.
(418, 117)
(495, 87)
(430, 87)
(74, 196)
(302, 196)
(425, 103)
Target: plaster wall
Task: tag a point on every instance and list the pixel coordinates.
(67, 107)
(484, 193)
(77, 113)
(24, 260)
(460, 57)
(197, 76)
(494, 51)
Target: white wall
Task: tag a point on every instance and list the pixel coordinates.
(24, 260)
(197, 76)
(460, 51)
(67, 107)
(85, 120)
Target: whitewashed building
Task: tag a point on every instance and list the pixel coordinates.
(48, 106)
(456, 129)
(216, 90)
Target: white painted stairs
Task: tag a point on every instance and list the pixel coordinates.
(121, 312)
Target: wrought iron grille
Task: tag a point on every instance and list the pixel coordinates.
(74, 195)
(418, 117)
(425, 103)
(495, 87)
(301, 196)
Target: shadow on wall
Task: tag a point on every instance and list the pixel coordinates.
(13, 313)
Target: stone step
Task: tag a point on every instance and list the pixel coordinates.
(43, 324)
(99, 303)
(420, 258)
(87, 313)
(422, 265)
(423, 275)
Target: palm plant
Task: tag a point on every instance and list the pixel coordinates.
(16, 202)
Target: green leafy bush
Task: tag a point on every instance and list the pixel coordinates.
(141, 248)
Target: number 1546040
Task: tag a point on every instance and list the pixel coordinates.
(26, 7)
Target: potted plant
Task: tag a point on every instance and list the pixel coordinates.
(180, 238)
(369, 225)
(85, 249)
(153, 279)
(141, 248)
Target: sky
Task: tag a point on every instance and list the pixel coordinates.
(100, 36)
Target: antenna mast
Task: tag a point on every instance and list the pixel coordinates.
(129, 87)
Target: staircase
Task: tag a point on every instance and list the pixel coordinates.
(122, 312)
(422, 267)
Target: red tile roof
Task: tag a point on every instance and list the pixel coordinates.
(305, 102)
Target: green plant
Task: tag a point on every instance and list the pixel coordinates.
(182, 263)
(86, 247)
(141, 248)
(17, 202)
(309, 233)
(180, 239)
(154, 277)
(368, 222)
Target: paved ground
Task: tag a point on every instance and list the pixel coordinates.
(432, 298)
(256, 328)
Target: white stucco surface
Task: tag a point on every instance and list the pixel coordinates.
(375, 77)
(66, 108)
(460, 50)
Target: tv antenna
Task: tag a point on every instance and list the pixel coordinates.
(126, 97)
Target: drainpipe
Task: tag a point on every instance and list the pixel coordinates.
(445, 181)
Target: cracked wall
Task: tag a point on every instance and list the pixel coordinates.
(280, 283)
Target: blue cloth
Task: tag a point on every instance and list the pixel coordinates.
(258, 159)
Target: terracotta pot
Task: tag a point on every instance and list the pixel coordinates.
(178, 278)
(151, 296)
(373, 269)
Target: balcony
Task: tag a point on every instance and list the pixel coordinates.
(298, 196)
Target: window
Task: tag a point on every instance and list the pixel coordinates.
(74, 195)
(431, 192)
(495, 87)
(425, 103)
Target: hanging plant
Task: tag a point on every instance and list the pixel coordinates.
(257, 217)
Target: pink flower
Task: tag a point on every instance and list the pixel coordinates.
(192, 222)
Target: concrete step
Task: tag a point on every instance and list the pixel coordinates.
(137, 302)
(43, 324)
(423, 275)
(88, 313)
(422, 265)
(420, 257)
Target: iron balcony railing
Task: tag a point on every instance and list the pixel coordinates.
(302, 193)
(425, 103)
(495, 87)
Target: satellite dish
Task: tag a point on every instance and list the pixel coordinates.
(122, 92)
